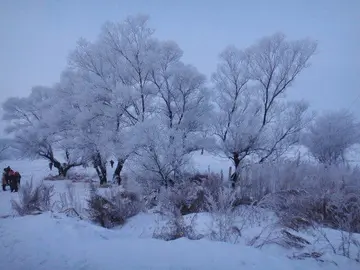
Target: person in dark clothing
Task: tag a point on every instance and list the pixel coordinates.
(7, 171)
(50, 166)
(6, 177)
(4, 180)
(18, 177)
(11, 178)
(112, 163)
(14, 180)
(13, 183)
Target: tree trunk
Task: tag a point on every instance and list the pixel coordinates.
(59, 167)
(118, 169)
(100, 168)
(63, 169)
(101, 172)
(235, 176)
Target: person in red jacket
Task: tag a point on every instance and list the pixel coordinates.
(12, 178)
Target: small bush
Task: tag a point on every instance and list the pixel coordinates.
(187, 200)
(282, 237)
(69, 202)
(306, 255)
(299, 209)
(295, 208)
(356, 246)
(348, 246)
(176, 227)
(33, 199)
(342, 210)
(191, 195)
(324, 194)
(151, 199)
(224, 227)
(199, 193)
(113, 208)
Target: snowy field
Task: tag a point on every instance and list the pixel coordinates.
(55, 241)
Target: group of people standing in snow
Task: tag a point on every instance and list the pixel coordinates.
(10, 178)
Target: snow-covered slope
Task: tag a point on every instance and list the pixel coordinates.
(47, 242)
(54, 241)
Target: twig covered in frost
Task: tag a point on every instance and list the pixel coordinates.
(224, 216)
(33, 199)
(69, 202)
(176, 227)
(349, 245)
(113, 208)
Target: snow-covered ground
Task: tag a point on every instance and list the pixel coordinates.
(54, 241)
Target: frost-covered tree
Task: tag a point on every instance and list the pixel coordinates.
(118, 66)
(133, 49)
(161, 155)
(253, 118)
(84, 121)
(183, 98)
(31, 122)
(182, 115)
(331, 135)
(137, 79)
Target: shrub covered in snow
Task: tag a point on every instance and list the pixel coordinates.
(302, 193)
(221, 207)
(192, 194)
(33, 199)
(175, 227)
(69, 202)
(113, 207)
(272, 235)
(298, 209)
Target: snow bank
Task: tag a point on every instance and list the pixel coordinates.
(56, 242)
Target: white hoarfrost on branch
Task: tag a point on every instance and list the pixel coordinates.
(331, 135)
(117, 67)
(4, 147)
(182, 115)
(32, 122)
(139, 82)
(87, 122)
(253, 119)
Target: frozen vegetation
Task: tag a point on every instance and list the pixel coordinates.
(204, 173)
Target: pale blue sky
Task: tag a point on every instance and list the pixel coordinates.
(36, 37)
